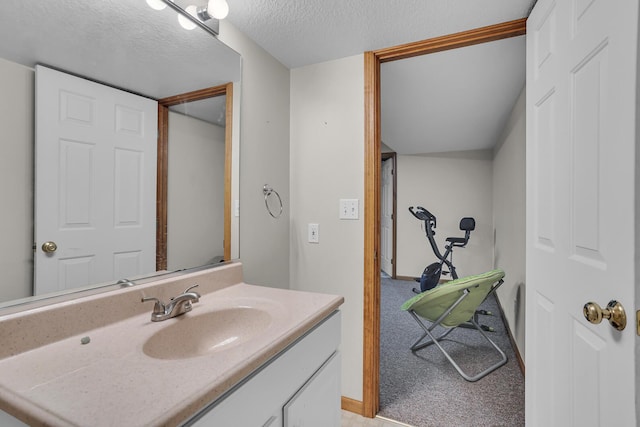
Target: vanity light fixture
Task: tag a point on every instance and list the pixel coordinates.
(156, 4)
(185, 22)
(193, 16)
(219, 9)
(216, 9)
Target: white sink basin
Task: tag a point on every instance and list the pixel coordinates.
(214, 331)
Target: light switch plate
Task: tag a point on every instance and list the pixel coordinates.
(314, 231)
(349, 209)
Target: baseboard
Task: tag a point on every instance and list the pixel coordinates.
(511, 337)
(352, 405)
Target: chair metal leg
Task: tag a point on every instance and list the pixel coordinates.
(415, 346)
(435, 340)
(478, 312)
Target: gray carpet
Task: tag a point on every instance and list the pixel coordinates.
(423, 389)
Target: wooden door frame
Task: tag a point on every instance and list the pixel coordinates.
(372, 159)
(394, 212)
(163, 165)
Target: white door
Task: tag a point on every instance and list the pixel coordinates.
(581, 121)
(95, 191)
(386, 217)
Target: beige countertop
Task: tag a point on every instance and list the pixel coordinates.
(111, 381)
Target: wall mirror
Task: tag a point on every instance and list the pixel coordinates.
(124, 45)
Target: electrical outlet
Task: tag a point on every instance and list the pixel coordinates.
(349, 209)
(314, 233)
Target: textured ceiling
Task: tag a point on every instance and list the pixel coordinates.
(449, 101)
(303, 32)
(126, 44)
(123, 43)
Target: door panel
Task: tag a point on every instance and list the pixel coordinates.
(128, 264)
(544, 167)
(73, 272)
(128, 173)
(76, 192)
(543, 316)
(587, 356)
(588, 81)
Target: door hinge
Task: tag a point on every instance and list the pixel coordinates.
(638, 322)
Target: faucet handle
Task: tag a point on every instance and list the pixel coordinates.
(158, 307)
(190, 287)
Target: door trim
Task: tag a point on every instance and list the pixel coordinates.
(372, 159)
(163, 165)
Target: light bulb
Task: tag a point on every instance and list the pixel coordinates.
(219, 9)
(185, 22)
(156, 4)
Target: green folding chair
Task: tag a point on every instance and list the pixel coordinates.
(451, 305)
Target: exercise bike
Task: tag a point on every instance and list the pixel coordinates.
(431, 275)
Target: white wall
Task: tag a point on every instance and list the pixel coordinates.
(327, 164)
(509, 219)
(326, 155)
(195, 205)
(264, 159)
(450, 186)
(16, 180)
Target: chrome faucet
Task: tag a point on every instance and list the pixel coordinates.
(177, 305)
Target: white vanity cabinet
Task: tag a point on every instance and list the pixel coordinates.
(282, 369)
(300, 387)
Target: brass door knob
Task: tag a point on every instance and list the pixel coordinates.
(614, 313)
(49, 247)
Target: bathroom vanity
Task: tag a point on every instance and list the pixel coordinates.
(244, 355)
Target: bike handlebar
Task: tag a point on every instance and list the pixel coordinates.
(422, 214)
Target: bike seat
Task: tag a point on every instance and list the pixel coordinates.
(456, 239)
(467, 224)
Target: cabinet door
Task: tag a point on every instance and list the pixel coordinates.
(317, 403)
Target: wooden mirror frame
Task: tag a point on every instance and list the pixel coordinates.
(372, 60)
(163, 165)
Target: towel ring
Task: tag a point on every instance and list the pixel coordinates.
(266, 190)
